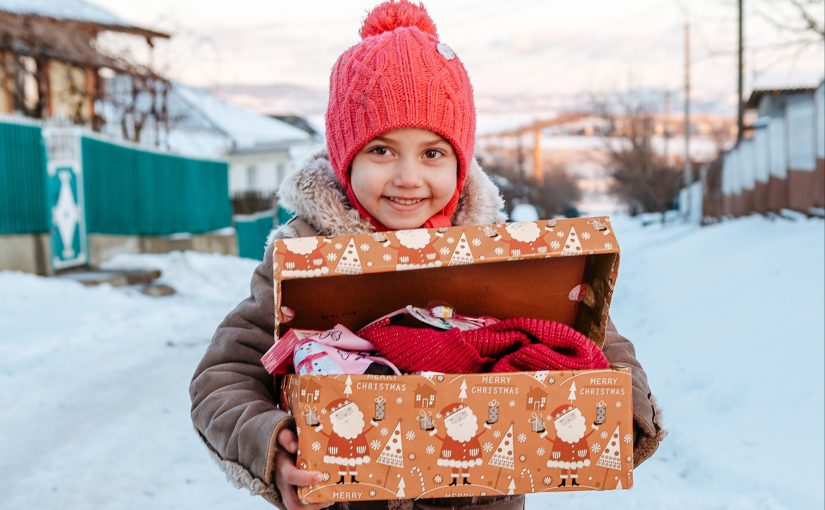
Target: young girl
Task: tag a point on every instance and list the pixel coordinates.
(400, 131)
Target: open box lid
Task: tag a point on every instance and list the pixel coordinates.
(562, 270)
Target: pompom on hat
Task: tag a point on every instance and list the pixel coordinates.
(337, 405)
(399, 76)
(452, 409)
(561, 411)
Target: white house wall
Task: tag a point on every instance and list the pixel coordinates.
(800, 118)
(762, 154)
(747, 164)
(819, 100)
(778, 148)
(269, 169)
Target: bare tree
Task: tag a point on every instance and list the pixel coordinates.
(557, 194)
(803, 17)
(645, 180)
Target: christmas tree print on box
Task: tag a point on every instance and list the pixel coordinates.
(572, 246)
(349, 262)
(462, 253)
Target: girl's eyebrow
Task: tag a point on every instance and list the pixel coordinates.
(381, 138)
(435, 142)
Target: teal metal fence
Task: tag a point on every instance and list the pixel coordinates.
(253, 230)
(135, 192)
(23, 192)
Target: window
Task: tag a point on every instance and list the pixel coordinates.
(279, 175)
(251, 177)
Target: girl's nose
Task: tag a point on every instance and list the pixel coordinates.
(407, 174)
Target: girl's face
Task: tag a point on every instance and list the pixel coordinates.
(404, 177)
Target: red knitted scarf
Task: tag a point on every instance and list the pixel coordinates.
(511, 345)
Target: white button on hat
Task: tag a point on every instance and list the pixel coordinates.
(445, 51)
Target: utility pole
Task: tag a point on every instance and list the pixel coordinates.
(687, 169)
(538, 174)
(667, 123)
(687, 177)
(740, 116)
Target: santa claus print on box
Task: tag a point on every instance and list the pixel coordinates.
(416, 250)
(303, 257)
(526, 237)
(347, 445)
(484, 442)
(460, 446)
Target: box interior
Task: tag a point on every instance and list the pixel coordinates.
(538, 288)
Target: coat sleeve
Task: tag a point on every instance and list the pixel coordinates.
(648, 432)
(233, 397)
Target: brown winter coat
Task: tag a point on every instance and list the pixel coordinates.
(233, 397)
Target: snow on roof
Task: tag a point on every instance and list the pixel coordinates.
(76, 10)
(64, 9)
(246, 128)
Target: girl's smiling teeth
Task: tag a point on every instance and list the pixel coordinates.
(404, 201)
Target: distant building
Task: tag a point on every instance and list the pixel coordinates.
(780, 164)
(52, 66)
(260, 149)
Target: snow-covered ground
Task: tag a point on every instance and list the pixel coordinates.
(727, 320)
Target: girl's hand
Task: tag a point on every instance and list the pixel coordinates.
(285, 314)
(288, 477)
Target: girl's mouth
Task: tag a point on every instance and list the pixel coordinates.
(405, 201)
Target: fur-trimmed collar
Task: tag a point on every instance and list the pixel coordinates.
(314, 194)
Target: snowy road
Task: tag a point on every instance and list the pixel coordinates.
(728, 321)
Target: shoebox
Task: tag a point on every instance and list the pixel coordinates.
(454, 435)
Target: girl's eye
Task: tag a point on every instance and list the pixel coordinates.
(380, 150)
(433, 153)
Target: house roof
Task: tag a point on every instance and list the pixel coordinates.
(757, 94)
(248, 130)
(76, 10)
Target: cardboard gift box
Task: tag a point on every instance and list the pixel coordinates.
(452, 435)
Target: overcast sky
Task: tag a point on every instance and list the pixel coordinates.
(512, 48)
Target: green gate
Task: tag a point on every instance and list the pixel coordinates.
(70, 245)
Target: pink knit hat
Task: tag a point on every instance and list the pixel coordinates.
(399, 76)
